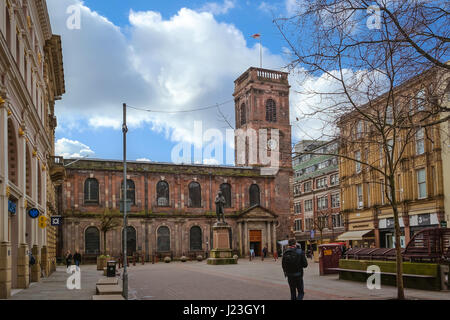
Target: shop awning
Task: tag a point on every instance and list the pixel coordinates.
(353, 235)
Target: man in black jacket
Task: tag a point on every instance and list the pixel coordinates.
(294, 260)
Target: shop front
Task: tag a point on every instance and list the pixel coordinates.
(386, 228)
(421, 221)
(358, 238)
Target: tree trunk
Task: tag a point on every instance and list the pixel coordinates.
(104, 243)
(398, 248)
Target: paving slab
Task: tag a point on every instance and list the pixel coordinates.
(108, 281)
(108, 297)
(108, 289)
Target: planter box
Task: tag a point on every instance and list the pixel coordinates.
(101, 263)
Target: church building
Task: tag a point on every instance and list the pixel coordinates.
(172, 205)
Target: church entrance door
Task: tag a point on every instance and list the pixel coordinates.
(255, 241)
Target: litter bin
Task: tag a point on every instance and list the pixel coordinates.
(111, 269)
(329, 255)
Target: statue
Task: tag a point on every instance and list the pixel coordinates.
(220, 203)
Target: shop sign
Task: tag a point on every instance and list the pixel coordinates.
(424, 219)
(33, 213)
(443, 224)
(12, 207)
(56, 220)
(327, 252)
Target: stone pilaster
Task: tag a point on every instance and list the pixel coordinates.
(23, 270)
(36, 268)
(5, 270)
(45, 260)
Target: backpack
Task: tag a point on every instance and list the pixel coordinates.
(291, 262)
(32, 261)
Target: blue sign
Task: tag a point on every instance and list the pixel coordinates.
(12, 207)
(55, 220)
(312, 234)
(33, 213)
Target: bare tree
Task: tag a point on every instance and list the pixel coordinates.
(379, 75)
(108, 222)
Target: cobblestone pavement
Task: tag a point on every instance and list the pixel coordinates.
(255, 280)
(54, 287)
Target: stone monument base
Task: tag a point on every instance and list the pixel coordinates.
(221, 252)
(221, 256)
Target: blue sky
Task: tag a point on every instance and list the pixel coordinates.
(164, 55)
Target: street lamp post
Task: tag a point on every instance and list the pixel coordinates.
(125, 202)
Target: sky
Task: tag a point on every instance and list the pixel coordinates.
(164, 56)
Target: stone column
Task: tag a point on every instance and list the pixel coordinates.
(246, 249)
(274, 236)
(44, 260)
(23, 268)
(36, 268)
(269, 237)
(240, 238)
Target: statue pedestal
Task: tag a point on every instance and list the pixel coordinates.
(221, 252)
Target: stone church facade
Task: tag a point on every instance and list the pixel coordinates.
(172, 206)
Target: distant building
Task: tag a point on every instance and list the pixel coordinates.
(173, 209)
(422, 179)
(31, 79)
(316, 208)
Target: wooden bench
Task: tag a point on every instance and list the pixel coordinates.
(108, 289)
(384, 273)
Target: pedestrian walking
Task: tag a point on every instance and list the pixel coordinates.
(252, 253)
(77, 258)
(293, 262)
(265, 251)
(68, 258)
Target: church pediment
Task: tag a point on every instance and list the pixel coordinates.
(257, 212)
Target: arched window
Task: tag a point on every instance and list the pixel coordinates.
(12, 153)
(131, 194)
(254, 195)
(243, 114)
(29, 179)
(195, 195)
(92, 241)
(162, 194)
(195, 238)
(226, 192)
(271, 111)
(91, 191)
(131, 240)
(163, 240)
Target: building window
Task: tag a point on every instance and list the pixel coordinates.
(422, 183)
(243, 114)
(91, 191)
(308, 205)
(359, 129)
(307, 186)
(131, 240)
(389, 115)
(92, 241)
(420, 100)
(162, 194)
(359, 193)
(271, 111)
(322, 203)
(297, 208)
(298, 225)
(368, 194)
(226, 192)
(321, 183)
(357, 162)
(382, 188)
(390, 147)
(297, 190)
(309, 224)
(334, 179)
(322, 222)
(254, 195)
(420, 142)
(335, 200)
(195, 238)
(195, 195)
(163, 239)
(131, 194)
(337, 220)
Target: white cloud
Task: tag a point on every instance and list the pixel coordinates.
(218, 8)
(144, 160)
(183, 62)
(211, 161)
(267, 7)
(72, 149)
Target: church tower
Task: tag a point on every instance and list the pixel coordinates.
(262, 102)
